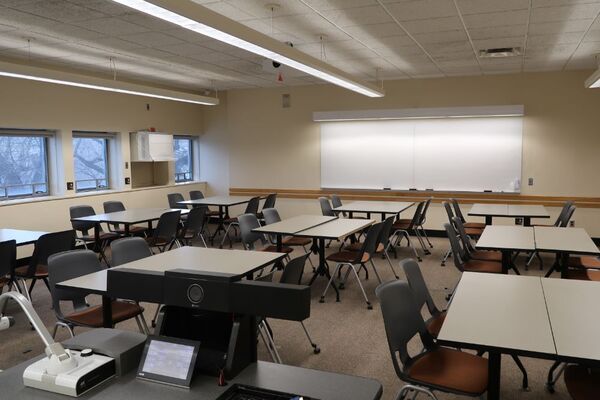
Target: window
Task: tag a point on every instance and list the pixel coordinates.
(23, 165)
(90, 155)
(184, 158)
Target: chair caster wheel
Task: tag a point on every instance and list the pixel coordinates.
(317, 350)
(369, 306)
(322, 300)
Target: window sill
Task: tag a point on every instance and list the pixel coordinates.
(6, 203)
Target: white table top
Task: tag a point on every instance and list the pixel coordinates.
(131, 216)
(22, 237)
(571, 240)
(501, 237)
(336, 229)
(233, 262)
(494, 210)
(499, 311)
(218, 201)
(523, 210)
(572, 311)
(387, 207)
(292, 225)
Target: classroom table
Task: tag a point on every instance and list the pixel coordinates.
(282, 378)
(223, 202)
(374, 207)
(22, 237)
(337, 229)
(524, 211)
(564, 242)
(293, 225)
(235, 263)
(528, 316)
(507, 239)
(126, 218)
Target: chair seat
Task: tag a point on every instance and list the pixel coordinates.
(483, 266)
(584, 262)
(231, 220)
(582, 383)
(473, 231)
(152, 241)
(273, 248)
(348, 257)
(476, 225)
(583, 275)
(452, 370)
(132, 230)
(41, 272)
(400, 225)
(434, 324)
(482, 255)
(102, 236)
(357, 246)
(296, 241)
(92, 316)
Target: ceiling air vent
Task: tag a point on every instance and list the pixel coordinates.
(500, 52)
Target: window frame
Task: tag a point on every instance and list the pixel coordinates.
(191, 154)
(107, 138)
(35, 133)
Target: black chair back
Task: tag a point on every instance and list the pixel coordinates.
(167, 226)
(567, 216)
(113, 206)
(128, 249)
(252, 206)
(417, 284)
(79, 212)
(416, 216)
(457, 210)
(196, 195)
(293, 270)
(196, 219)
(326, 209)
(270, 201)
(423, 218)
(247, 223)
(271, 216)
(386, 231)
(47, 245)
(458, 253)
(8, 258)
(174, 199)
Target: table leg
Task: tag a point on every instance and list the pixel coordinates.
(506, 261)
(488, 219)
(107, 312)
(350, 214)
(368, 215)
(383, 216)
(220, 226)
(126, 229)
(97, 243)
(494, 368)
(563, 264)
(323, 268)
(279, 243)
(526, 221)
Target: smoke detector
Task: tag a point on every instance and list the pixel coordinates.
(500, 52)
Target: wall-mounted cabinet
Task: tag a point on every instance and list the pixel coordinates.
(151, 159)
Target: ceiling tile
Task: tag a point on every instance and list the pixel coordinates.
(422, 9)
(506, 18)
(152, 39)
(433, 25)
(358, 16)
(58, 10)
(112, 26)
(571, 25)
(553, 14)
(467, 7)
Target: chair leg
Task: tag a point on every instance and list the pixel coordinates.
(266, 342)
(315, 347)
(414, 249)
(337, 268)
(375, 270)
(225, 236)
(387, 256)
(153, 322)
(271, 341)
(369, 306)
(421, 242)
(307, 251)
(23, 288)
(448, 254)
(426, 237)
(525, 383)
(417, 389)
(552, 379)
(201, 236)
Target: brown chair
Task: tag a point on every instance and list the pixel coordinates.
(584, 262)
(472, 252)
(403, 228)
(45, 246)
(458, 213)
(73, 264)
(352, 259)
(383, 243)
(436, 368)
(461, 259)
(271, 216)
(582, 383)
(472, 232)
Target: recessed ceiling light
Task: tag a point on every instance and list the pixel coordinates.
(500, 52)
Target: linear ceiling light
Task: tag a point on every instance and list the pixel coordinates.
(83, 81)
(593, 81)
(199, 19)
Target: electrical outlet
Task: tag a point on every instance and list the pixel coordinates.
(530, 181)
(127, 180)
(518, 221)
(69, 185)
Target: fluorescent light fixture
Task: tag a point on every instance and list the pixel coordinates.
(204, 21)
(420, 113)
(593, 81)
(88, 82)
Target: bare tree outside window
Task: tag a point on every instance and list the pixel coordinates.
(90, 155)
(23, 166)
(182, 148)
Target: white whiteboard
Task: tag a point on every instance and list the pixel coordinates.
(449, 154)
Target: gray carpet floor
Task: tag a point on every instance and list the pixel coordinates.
(351, 337)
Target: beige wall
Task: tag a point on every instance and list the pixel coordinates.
(273, 147)
(27, 104)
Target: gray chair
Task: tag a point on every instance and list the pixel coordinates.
(8, 262)
(461, 258)
(473, 232)
(403, 228)
(193, 227)
(251, 208)
(174, 199)
(436, 368)
(116, 206)
(271, 216)
(326, 209)
(164, 236)
(470, 251)
(37, 269)
(354, 259)
(84, 228)
(269, 203)
(336, 201)
(383, 245)
(561, 222)
(247, 223)
(458, 213)
(72, 264)
(129, 249)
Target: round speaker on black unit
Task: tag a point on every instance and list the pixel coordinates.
(195, 293)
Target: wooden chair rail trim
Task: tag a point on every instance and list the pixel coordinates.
(438, 197)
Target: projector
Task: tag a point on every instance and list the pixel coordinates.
(85, 371)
